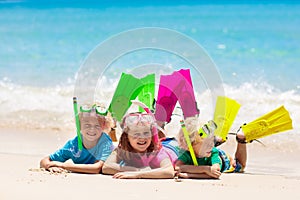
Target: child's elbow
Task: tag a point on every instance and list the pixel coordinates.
(98, 170)
(44, 163)
(99, 167)
(105, 169)
(169, 172)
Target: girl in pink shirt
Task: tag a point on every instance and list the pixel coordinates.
(139, 154)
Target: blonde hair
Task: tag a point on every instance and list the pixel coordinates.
(191, 125)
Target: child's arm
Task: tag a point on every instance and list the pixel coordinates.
(165, 170)
(56, 166)
(191, 171)
(94, 168)
(111, 166)
(48, 165)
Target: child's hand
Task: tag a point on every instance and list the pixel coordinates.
(214, 171)
(179, 169)
(54, 164)
(123, 175)
(182, 175)
(57, 170)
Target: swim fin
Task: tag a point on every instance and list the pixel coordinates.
(166, 99)
(172, 88)
(127, 89)
(273, 122)
(226, 110)
(186, 96)
(147, 94)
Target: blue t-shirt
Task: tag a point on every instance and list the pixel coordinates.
(70, 150)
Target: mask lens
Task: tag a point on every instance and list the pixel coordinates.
(212, 125)
(135, 119)
(100, 110)
(206, 129)
(146, 119)
(85, 108)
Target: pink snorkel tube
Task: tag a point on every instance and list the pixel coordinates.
(147, 110)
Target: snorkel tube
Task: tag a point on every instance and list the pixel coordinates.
(188, 142)
(77, 123)
(148, 111)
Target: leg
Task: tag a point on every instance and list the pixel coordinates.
(241, 150)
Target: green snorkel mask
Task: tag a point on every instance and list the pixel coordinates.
(98, 109)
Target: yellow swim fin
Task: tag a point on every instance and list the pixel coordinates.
(225, 112)
(273, 122)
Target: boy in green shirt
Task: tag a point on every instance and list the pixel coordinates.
(211, 160)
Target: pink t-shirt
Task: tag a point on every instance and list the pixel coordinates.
(154, 159)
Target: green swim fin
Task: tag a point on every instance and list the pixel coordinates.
(127, 89)
(225, 112)
(147, 94)
(273, 122)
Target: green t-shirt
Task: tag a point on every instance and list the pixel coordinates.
(186, 158)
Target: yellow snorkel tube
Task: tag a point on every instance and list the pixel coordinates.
(188, 142)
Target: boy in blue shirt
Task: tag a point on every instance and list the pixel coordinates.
(97, 146)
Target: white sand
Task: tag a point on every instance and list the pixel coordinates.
(20, 152)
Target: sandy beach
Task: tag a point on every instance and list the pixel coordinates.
(270, 174)
(54, 50)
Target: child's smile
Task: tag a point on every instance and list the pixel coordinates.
(90, 129)
(140, 138)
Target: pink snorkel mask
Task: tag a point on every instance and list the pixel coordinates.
(147, 118)
(135, 119)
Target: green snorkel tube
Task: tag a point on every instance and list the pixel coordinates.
(77, 123)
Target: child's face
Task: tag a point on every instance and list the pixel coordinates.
(203, 147)
(90, 128)
(140, 137)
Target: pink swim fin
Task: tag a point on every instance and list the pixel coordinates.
(166, 99)
(172, 88)
(186, 97)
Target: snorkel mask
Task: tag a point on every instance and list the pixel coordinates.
(207, 129)
(134, 119)
(98, 109)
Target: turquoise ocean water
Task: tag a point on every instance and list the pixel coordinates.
(255, 47)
